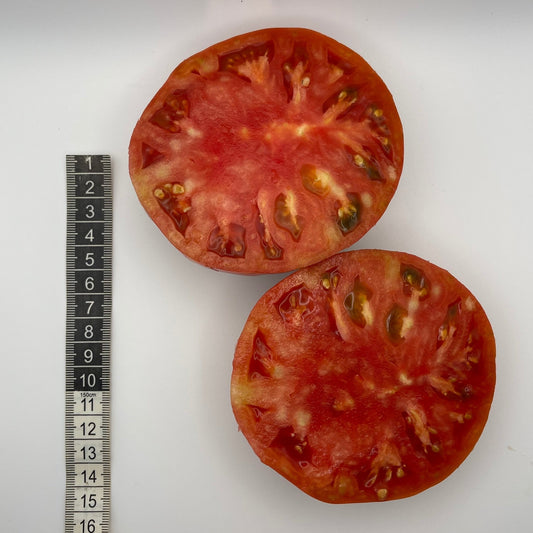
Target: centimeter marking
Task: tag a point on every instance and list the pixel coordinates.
(88, 343)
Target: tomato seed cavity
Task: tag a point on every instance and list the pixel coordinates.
(294, 446)
(330, 279)
(296, 304)
(285, 215)
(271, 248)
(237, 61)
(261, 364)
(340, 65)
(349, 215)
(414, 281)
(295, 74)
(257, 412)
(171, 199)
(315, 180)
(394, 323)
(175, 108)
(340, 103)
(356, 303)
(447, 328)
(149, 155)
(227, 241)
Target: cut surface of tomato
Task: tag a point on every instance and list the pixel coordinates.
(268, 152)
(366, 377)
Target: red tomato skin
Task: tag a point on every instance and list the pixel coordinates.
(409, 417)
(233, 168)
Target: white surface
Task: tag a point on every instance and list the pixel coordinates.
(75, 76)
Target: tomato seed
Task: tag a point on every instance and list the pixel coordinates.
(358, 160)
(159, 194)
(382, 493)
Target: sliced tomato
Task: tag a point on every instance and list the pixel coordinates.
(366, 377)
(268, 152)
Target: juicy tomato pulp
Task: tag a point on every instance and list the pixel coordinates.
(268, 152)
(367, 377)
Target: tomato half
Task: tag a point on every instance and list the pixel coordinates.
(366, 377)
(268, 152)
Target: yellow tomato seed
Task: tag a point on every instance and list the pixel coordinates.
(382, 493)
(177, 188)
(358, 160)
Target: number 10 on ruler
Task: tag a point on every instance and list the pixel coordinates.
(87, 437)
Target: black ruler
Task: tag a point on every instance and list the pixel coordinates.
(88, 343)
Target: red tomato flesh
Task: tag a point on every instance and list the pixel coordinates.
(366, 377)
(268, 152)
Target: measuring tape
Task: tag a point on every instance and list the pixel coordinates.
(88, 328)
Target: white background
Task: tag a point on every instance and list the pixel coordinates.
(75, 77)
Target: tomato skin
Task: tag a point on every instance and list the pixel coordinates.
(366, 377)
(282, 133)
